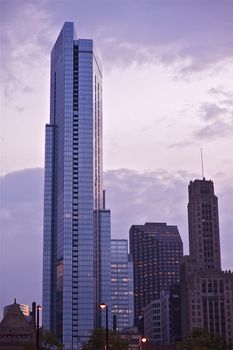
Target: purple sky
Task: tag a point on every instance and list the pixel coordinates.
(168, 90)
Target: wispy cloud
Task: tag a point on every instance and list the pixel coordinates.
(214, 130)
(212, 112)
(142, 31)
(216, 119)
(182, 144)
(27, 35)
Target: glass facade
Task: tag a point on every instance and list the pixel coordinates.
(121, 284)
(75, 222)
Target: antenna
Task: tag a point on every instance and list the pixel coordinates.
(202, 166)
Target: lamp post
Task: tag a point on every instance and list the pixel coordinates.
(38, 307)
(105, 306)
(144, 343)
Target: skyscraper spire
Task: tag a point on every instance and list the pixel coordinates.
(202, 166)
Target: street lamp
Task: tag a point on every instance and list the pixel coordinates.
(38, 307)
(144, 340)
(105, 306)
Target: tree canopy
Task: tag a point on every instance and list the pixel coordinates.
(203, 340)
(97, 340)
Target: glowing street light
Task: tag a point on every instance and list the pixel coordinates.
(144, 340)
(38, 308)
(105, 306)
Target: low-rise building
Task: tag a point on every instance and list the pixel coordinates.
(133, 337)
(162, 318)
(16, 330)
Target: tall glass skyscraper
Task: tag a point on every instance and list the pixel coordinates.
(77, 243)
(121, 284)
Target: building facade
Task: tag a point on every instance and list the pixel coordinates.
(122, 307)
(162, 321)
(203, 223)
(156, 249)
(206, 291)
(153, 321)
(23, 307)
(77, 243)
(17, 331)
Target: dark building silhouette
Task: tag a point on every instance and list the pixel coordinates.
(162, 323)
(156, 250)
(175, 314)
(204, 243)
(206, 291)
(16, 330)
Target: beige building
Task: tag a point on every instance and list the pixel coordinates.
(206, 291)
(23, 307)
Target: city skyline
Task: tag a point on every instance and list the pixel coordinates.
(168, 62)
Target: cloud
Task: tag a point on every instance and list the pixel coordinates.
(211, 111)
(26, 41)
(182, 144)
(175, 33)
(219, 91)
(214, 130)
(225, 97)
(135, 198)
(217, 118)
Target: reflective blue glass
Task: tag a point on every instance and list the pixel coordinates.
(76, 225)
(121, 284)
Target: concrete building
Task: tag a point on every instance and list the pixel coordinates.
(206, 291)
(156, 249)
(121, 284)
(77, 237)
(134, 339)
(153, 321)
(203, 223)
(162, 319)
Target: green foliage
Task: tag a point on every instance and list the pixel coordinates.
(97, 341)
(48, 340)
(203, 340)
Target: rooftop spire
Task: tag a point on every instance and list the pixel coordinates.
(202, 166)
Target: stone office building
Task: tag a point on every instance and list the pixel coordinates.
(206, 291)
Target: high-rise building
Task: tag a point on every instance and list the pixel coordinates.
(206, 291)
(77, 243)
(203, 224)
(122, 307)
(156, 249)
